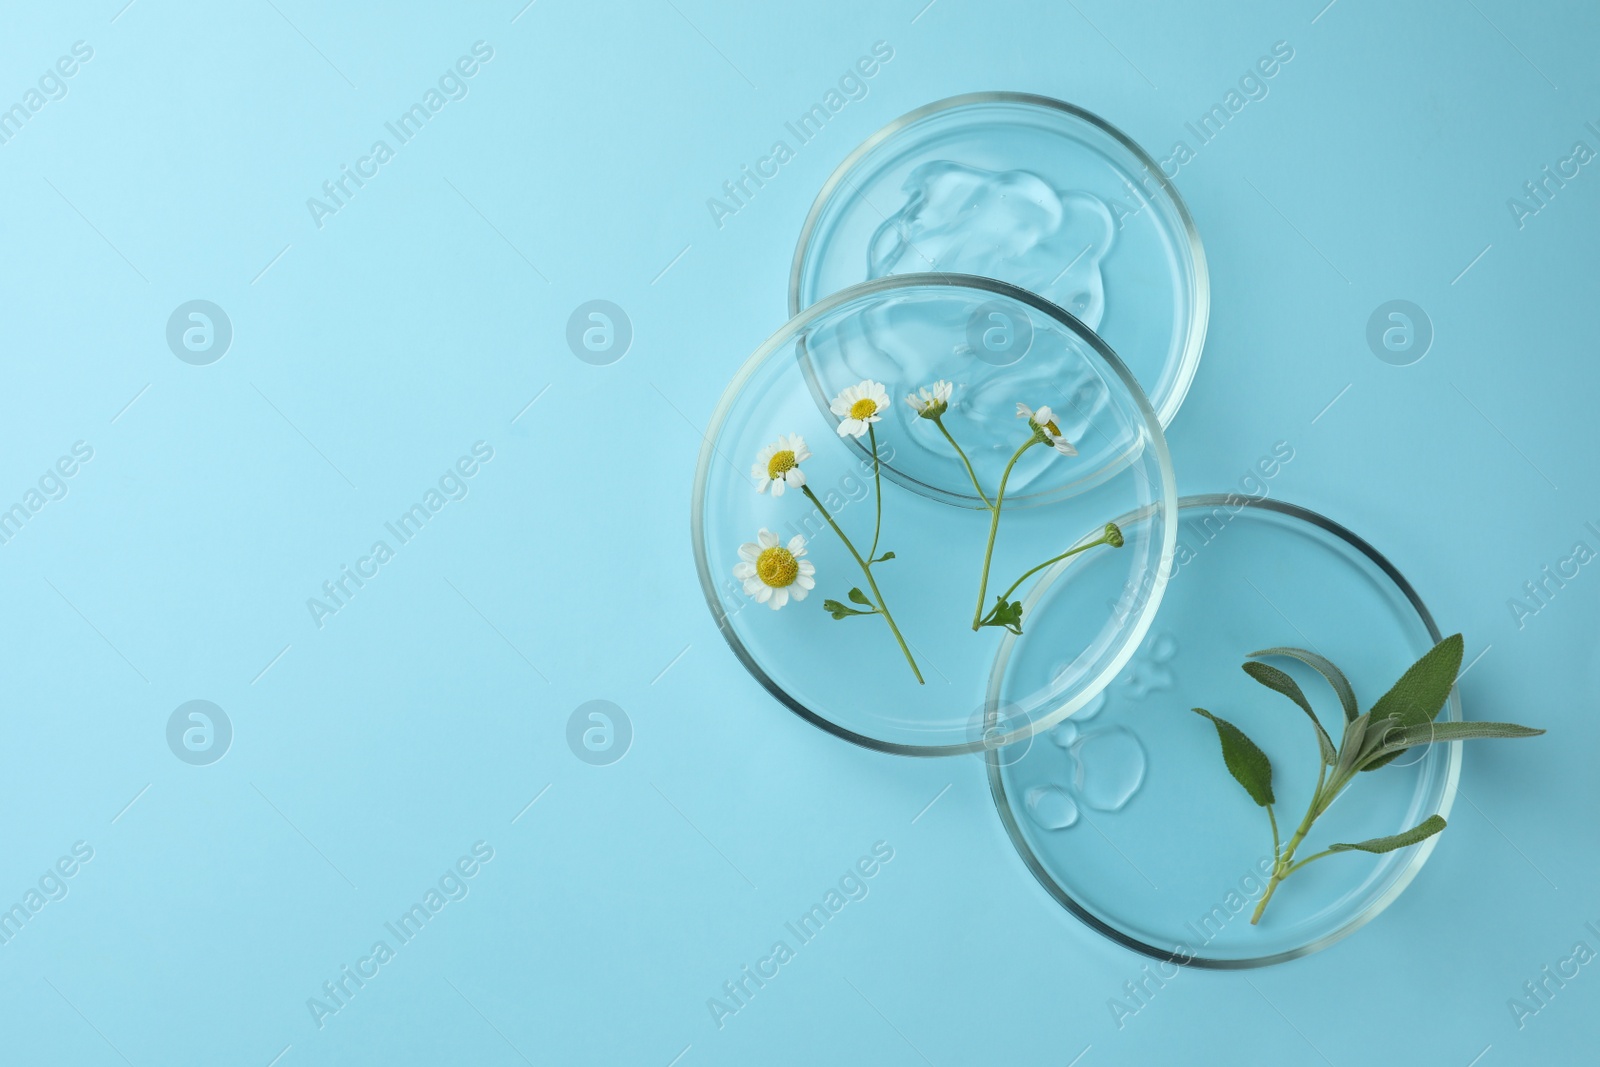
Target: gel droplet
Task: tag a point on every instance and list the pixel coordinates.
(1051, 807)
(1065, 733)
(1011, 224)
(1109, 768)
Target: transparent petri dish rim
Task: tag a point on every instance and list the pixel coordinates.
(1166, 407)
(1167, 503)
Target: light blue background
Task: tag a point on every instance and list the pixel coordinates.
(425, 715)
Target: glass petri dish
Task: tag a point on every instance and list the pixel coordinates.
(1125, 812)
(848, 676)
(1031, 191)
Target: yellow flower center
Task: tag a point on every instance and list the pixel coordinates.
(777, 567)
(780, 464)
(863, 408)
(1055, 431)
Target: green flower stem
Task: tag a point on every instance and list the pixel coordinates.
(994, 528)
(970, 472)
(877, 493)
(1104, 539)
(882, 606)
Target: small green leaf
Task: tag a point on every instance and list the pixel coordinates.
(1351, 748)
(1420, 832)
(1005, 613)
(858, 597)
(1246, 762)
(1279, 682)
(886, 556)
(1323, 666)
(1399, 738)
(839, 611)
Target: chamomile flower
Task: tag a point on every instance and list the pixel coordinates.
(774, 573)
(859, 406)
(778, 464)
(1044, 424)
(931, 401)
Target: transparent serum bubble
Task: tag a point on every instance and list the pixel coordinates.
(1105, 766)
(1051, 806)
(1108, 768)
(1150, 669)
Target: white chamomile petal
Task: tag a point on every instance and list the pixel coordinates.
(859, 405)
(776, 462)
(772, 572)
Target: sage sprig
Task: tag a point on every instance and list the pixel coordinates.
(1400, 719)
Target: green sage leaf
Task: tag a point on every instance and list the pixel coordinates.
(1279, 682)
(1351, 746)
(1400, 738)
(1323, 666)
(1420, 832)
(1422, 690)
(857, 596)
(1246, 762)
(1376, 732)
